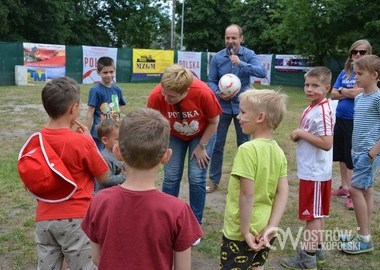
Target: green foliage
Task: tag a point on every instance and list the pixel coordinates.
(205, 22)
(323, 27)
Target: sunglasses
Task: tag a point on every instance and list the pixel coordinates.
(361, 52)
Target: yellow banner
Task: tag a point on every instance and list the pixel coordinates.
(151, 61)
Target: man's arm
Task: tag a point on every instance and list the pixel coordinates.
(213, 78)
(95, 252)
(182, 260)
(253, 66)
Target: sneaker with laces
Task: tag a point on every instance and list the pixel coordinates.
(357, 246)
(211, 188)
(320, 257)
(301, 260)
(340, 192)
(344, 237)
(348, 203)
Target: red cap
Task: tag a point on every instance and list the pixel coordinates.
(43, 172)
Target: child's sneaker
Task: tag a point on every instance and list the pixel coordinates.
(340, 192)
(357, 246)
(301, 260)
(344, 237)
(320, 257)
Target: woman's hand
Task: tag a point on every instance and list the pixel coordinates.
(201, 155)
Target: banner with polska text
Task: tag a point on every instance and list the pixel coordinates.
(90, 59)
(191, 61)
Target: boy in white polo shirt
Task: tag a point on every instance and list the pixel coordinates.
(314, 139)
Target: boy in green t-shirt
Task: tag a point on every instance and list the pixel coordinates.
(258, 185)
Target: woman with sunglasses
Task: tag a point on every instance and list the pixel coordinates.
(193, 112)
(345, 91)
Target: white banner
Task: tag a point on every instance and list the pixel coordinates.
(192, 61)
(266, 60)
(90, 59)
(291, 63)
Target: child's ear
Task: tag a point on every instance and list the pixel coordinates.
(74, 108)
(103, 140)
(328, 88)
(261, 117)
(165, 159)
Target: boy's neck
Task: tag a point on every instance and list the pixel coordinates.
(140, 180)
(106, 85)
(59, 123)
(370, 89)
(317, 101)
(265, 133)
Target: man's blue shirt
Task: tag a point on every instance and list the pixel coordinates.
(221, 64)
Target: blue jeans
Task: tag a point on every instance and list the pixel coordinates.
(365, 170)
(221, 135)
(173, 172)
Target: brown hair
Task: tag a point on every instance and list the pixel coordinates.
(105, 127)
(144, 138)
(104, 61)
(59, 95)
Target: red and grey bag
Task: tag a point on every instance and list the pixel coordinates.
(43, 172)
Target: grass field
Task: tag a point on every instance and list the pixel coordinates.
(22, 114)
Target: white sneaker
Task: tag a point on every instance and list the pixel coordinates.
(196, 243)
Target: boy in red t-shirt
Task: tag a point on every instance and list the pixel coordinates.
(58, 233)
(134, 225)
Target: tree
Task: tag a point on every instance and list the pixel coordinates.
(254, 18)
(132, 23)
(324, 27)
(205, 22)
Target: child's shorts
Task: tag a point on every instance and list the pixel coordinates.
(314, 199)
(365, 170)
(238, 255)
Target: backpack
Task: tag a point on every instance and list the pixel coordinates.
(43, 172)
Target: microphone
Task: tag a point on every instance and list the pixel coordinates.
(230, 50)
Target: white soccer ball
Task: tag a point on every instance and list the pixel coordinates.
(229, 83)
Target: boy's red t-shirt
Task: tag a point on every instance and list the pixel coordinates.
(84, 162)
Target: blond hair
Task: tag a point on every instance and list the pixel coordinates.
(370, 63)
(176, 78)
(322, 73)
(348, 64)
(270, 102)
(144, 138)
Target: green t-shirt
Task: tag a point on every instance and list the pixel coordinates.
(263, 161)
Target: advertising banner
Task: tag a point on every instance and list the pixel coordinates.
(90, 59)
(291, 63)
(266, 60)
(150, 63)
(50, 57)
(191, 61)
